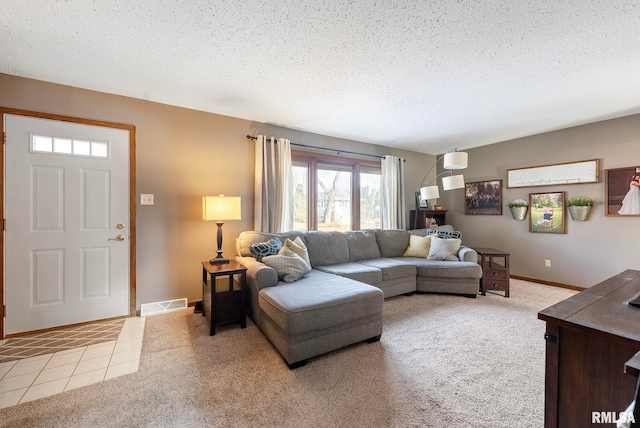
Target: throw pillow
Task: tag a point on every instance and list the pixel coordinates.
(418, 246)
(290, 266)
(444, 249)
(263, 249)
(453, 234)
(298, 247)
(447, 234)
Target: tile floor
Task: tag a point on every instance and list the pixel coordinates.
(44, 375)
(52, 341)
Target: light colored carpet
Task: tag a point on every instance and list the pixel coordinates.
(443, 361)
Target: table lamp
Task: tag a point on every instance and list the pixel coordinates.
(218, 209)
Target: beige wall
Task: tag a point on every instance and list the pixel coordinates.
(182, 155)
(591, 251)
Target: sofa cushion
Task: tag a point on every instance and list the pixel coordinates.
(298, 247)
(446, 269)
(444, 249)
(355, 271)
(362, 245)
(391, 268)
(290, 266)
(418, 246)
(392, 242)
(260, 250)
(319, 301)
(327, 248)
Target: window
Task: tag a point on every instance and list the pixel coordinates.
(333, 197)
(65, 146)
(370, 191)
(334, 193)
(300, 173)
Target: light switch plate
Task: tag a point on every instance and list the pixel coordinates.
(146, 199)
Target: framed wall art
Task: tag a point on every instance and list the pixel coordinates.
(547, 213)
(483, 198)
(581, 172)
(421, 204)
(622, 187)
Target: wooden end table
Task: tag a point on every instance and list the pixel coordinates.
(495, 274)
(223, 304)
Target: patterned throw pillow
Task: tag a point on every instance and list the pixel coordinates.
(452, 234)
(446, 234)
(298, 247)
(444, 249)
(262, 249)
(290, 266)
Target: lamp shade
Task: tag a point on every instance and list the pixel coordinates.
(221, 208)
(429, 192)
(453, 182)
(456, 160)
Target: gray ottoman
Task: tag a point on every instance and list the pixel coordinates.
(318, 314)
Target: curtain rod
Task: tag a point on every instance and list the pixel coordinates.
(249, 137)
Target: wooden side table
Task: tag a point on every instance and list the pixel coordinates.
(223, 304)
(495, 273)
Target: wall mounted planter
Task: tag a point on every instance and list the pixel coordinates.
(579, 213)
(579, 207)
(518, 209)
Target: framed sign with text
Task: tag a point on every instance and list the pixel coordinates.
(582, 172)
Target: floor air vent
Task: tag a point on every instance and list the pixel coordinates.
(147, 309)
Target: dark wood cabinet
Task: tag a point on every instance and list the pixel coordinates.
(590, 336)
(495, 270)
(222, 295)
(420, 222)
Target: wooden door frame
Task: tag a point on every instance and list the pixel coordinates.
(132, 195)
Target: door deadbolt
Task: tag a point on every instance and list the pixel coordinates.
(120, 226)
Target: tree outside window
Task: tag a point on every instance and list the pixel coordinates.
(335, 194)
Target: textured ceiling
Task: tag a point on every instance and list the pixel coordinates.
(421, 75)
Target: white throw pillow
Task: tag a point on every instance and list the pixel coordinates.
(418, 246)
(298, 247)
(289, 266)
(444, 249)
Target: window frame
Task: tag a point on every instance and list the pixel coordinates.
(356, 165)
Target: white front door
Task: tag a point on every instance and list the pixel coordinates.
(66, 203)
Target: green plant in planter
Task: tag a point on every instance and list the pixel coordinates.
(579, 207)
(580, 201)
(518, 209)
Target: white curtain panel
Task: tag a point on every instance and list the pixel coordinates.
(273, 205)
(286, 218)
(393, 201)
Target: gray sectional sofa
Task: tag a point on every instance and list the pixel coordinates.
(340, 301)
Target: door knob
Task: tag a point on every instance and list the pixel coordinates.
(117, 238)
